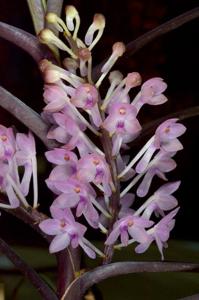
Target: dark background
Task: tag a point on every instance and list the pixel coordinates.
(173, 57)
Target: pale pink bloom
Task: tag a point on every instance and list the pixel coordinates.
(162, 200)
(77, 137)
(166, 135)
(129, 225)
(94, 168)
(159, 233)
(66, 230)
(86, 97)
(122, 124)
(80, 195)
(165, 138)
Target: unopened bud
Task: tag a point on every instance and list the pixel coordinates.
(46, 36)
(70, 64)
(71, 11)
(99, 21)
(118, 49)
(84, 54)
(51, 76)
(44, 64)
(115, 76)
(133, 79)
(51, 18)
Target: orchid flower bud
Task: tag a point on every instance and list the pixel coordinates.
(86, 96)
(118, 50)
(115, 77)
(71, 15)
(46, 36)
(70, 64)
(57, 22)
(133, 79)
(97, 25)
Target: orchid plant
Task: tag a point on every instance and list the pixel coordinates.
(97, 181)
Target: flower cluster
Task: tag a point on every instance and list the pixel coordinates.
(94, 131)
(84, 181)
(17, 166)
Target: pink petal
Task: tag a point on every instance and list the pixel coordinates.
(59, 134)
(25, 183)
(88, 250)
(144, 186)
(59, 242)
(66, 200)
(157, 100)
(96, 117)
(167, 202)
(168, 188)
(144, 246)
(91, 215)
(50, 226)
(113, 236)
(124, 237)
(137, 233)
(172, 146)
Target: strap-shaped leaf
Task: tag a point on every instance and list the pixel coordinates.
(25, 41)
(26, 115)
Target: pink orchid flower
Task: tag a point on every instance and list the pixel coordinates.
(161, 164)
(94, 168)
(122, 124)
(165, 138)
(162, 200)
(129, 225)
(159, 233)
(151, 93)
(80, 195)
(86, 97)
(66, 230)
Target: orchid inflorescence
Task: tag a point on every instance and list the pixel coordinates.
(94, 131)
